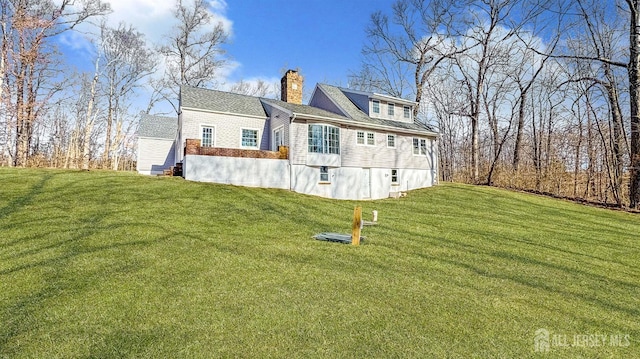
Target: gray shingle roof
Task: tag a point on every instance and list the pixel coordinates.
(304, 109)
(158, 127)
(220, 101)
(337, 94)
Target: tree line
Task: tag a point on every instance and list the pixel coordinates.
(536, 95)
(52, 115)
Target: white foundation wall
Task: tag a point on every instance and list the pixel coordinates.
(248, 172)
(350, 182)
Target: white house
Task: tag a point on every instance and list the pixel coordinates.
(156, 144)
(345, 144)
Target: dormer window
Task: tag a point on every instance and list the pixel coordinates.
(376, 106)
(391, 108)
(407, 112)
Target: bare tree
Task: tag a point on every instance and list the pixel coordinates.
(192, 51)
(29, 27)
(404, 50)
(127, 61)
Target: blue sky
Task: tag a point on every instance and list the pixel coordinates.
(322, 38)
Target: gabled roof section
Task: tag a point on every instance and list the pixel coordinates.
(338, 96)
(220, 101)
(158, 127)
(303, 110)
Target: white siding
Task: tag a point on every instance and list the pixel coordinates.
(228, 128)
(280, 118)
(249, 172)
(154, 155)
(380, 155)
(347, 182)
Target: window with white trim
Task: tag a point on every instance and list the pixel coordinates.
(391, 140)
(278, 139)
(249, 138)
(324, 174)
(324, 139)
(394, 176)
(207, 136)
(360, 137)
(391, 109)
(419, 146)
(407, 112)
(375, 104)
(365, 138)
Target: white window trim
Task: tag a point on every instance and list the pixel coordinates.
(366, 138)
(339, 139)
(395, 140)
(274, 146)
(397, 182)
(373, 107)
(213, 138)
(257, 146)
(426, 150)
(389, 106)
(403, 108)
(328, 181)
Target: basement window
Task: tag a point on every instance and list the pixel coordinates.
(394, 176)
(324, 174)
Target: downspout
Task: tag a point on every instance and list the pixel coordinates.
(292, 117)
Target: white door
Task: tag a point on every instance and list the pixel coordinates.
(366, 183)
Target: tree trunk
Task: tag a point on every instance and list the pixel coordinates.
(634, 99)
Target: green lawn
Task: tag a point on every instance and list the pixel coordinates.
(105, 264)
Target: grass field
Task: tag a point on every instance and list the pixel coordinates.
(105, 264)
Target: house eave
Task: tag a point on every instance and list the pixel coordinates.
(301, 116)
(222, 113)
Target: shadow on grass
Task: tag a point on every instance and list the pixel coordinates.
(26, 199)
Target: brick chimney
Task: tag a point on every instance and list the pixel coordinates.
(291, 87)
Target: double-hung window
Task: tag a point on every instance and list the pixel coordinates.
(249, 138)
(419, 146)
(391, 140)
(407, 112)
(207, 136)
(375, 104)
(394, 176)
(371, 140)
(324, 139)
(365, 138)
(324, 174)
(391, 110)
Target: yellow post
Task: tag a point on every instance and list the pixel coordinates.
(355, 228)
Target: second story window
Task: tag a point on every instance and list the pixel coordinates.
(391, 109)
(391, 140)
(375, 106)
(324, 139)
(419, 146)
(407, 112)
